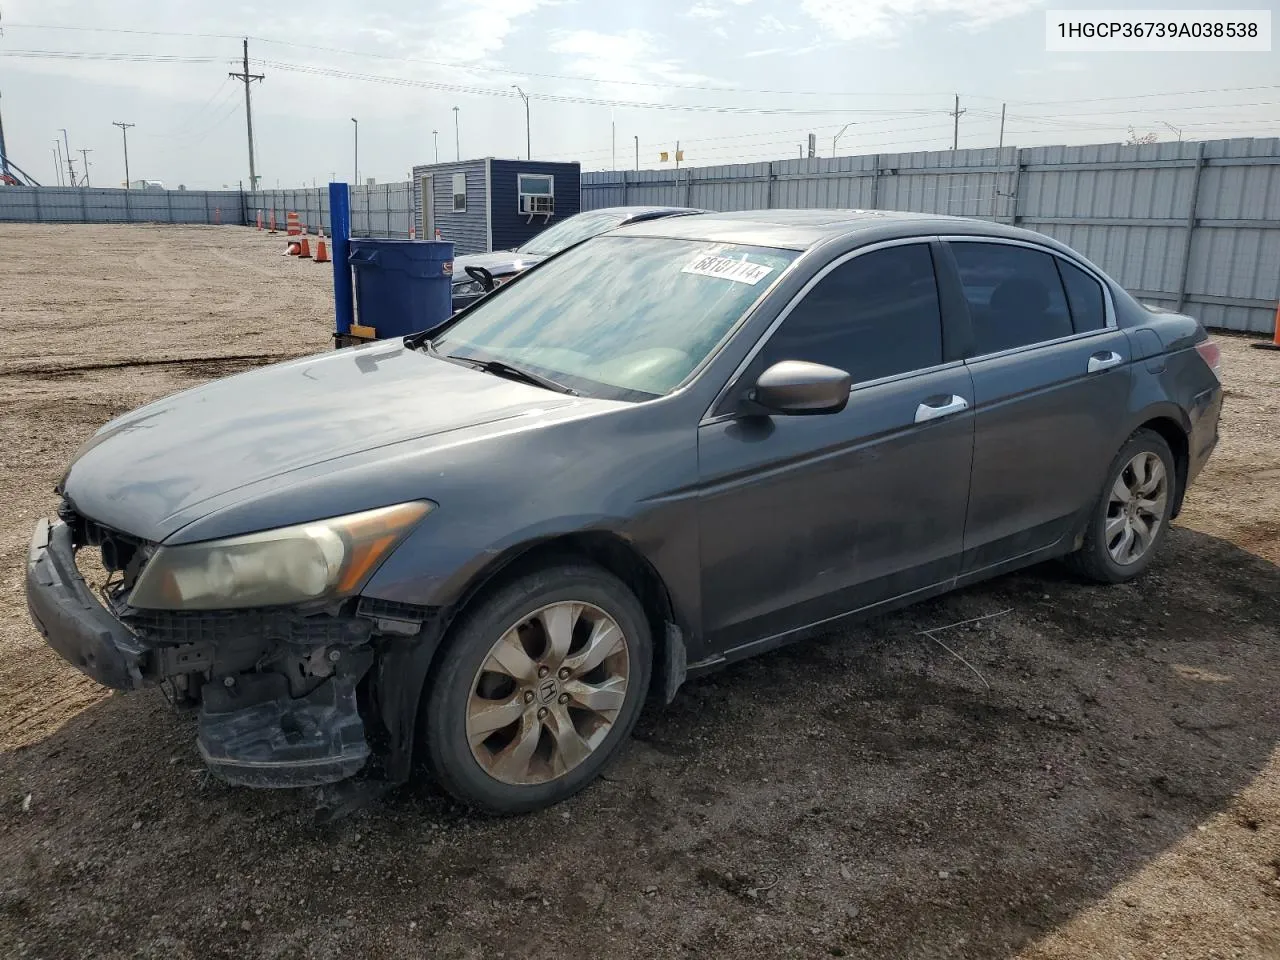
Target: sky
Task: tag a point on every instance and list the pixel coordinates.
(730, 80)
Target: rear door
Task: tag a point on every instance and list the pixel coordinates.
(1050, 378)
(803, 518)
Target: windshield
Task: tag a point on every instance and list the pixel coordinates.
(625, 318)
(566, 233)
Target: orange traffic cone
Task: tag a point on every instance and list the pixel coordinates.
(259, 219)
(1275, 335)
(293, 248)
(304, 251)
(273, 221)
(322, 251)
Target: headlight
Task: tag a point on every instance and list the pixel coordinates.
(312, 561)
(472, 288)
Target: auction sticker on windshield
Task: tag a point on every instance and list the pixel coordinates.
(739, 271)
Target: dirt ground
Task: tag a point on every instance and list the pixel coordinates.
(1109, 786)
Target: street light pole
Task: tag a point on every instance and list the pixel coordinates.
(527, 141)
(457, 134)
(124, 134)
(435, 138)
(356, 158)
(836, 138)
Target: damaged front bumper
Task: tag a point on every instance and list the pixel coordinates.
(277, 690)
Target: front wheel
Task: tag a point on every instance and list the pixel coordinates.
(538, 688)
(1131, 517)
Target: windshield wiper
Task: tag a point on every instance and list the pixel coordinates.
(502, 369)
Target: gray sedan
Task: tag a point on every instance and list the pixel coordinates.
(670, 447)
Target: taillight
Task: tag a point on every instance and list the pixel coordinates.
(1211, 353)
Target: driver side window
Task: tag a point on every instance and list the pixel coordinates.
(873, 316)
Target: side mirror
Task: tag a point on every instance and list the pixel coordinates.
(799, 388)
(482, 276)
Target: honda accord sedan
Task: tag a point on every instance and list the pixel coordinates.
(669, 447)
(476, 274)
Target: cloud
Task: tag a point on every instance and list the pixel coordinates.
(709, 10)
(771, 24)
(879, 19)
(704, 11)
(633, 56)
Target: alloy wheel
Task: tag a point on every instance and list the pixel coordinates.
(547, 693)
(1136, 508)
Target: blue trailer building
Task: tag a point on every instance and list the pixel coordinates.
(490, 204)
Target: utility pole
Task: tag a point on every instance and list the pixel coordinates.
(4, 157)
(247, 78)
(355, 168)
(71, 164)
(955, 135)
(995, 189)
(57, 148)
(435, 137)
(637, 151)
(84, 152)
(457, 134)
(525, 97)
(124, 133)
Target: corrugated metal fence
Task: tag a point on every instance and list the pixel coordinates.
(112, 205)
(383, 210)
(1190, 225)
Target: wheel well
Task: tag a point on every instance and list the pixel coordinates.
(1176, 437)
(605, 550)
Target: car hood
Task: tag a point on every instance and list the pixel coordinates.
(140, 471)
(500, 263)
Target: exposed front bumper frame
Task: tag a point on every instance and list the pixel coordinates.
(72, 620)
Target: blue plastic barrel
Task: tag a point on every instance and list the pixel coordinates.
(402, 286)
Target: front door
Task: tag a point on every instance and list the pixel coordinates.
(804, 518)
(1050, 374)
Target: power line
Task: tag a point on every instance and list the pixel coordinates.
(121, 57)
(455, 64)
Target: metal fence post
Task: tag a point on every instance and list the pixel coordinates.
(1185, 269)
(875, 183)
(386, 196)
(768, 193)
(1020, 168)
(626, 190)
(35, 192)
(84, 211)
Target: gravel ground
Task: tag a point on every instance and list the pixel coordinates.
(1108, 787)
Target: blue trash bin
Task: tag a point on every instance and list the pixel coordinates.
(402, 286)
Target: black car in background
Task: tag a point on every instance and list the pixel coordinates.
(489, 270)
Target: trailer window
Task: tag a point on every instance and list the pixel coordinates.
(459, 193)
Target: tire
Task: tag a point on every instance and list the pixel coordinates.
(462, 700)
(1095, 560)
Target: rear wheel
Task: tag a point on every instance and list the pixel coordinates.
(1132, 515)
(538, 688)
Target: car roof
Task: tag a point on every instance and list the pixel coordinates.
(636, 213)
(802, 229)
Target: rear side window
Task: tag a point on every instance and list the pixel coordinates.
(1084, 294)
(1015, 296)
(873, 316)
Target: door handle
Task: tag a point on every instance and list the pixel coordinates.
(1104, 361)
(926, 412)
